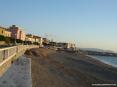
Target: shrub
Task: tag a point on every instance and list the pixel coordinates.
(7, 40)
(2, 38)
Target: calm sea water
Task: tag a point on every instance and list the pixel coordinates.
(107, 59)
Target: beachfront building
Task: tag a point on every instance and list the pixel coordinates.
(17, 33)
(5, 32)
(29, 39)
(4, 36)
(38, 40)
(66, 45)
(33, 39)
(53, 43)
(71, 46)
(45, 41)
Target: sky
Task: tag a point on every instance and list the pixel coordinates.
(88, 23)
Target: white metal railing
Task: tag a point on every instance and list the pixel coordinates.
(9, 51)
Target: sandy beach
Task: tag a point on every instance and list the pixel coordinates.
(61, 69)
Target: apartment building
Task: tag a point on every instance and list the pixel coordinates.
(34, 39)
(5, 32)
(17, 33)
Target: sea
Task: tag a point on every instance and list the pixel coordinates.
(107, 60)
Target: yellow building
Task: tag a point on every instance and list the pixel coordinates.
(5, 32)
(2, 31)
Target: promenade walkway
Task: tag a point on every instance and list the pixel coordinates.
(10, 54)
(18, 75)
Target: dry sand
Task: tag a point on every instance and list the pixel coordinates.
(61, 69)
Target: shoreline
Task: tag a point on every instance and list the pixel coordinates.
(105, 62)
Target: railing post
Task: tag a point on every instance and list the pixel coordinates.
(3, 54)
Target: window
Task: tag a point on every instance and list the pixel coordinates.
(2, 31)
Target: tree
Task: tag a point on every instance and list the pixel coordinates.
(8, 40)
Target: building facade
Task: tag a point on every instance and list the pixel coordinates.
(34, 39)
(5, 32)
(17, 33)
(29, 38)
(45, 41)
(38, 40)
(66, 45)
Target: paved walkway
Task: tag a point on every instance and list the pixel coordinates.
(18, 75)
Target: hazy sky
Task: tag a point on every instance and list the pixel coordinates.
(89, 23)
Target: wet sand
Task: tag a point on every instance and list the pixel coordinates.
(62, 69)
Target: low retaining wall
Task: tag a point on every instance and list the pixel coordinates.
(10, 54)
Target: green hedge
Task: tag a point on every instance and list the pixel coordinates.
(9, 40)
(2, 38)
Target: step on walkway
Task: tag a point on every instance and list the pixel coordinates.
(18, 75)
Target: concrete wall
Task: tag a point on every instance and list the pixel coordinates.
(2, 43)
(8, 55)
